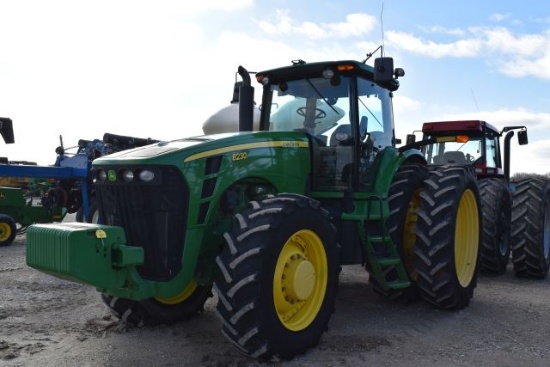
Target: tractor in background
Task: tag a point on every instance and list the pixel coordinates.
(515, 214)
(43, 194)
(22, 197)
(267, 218)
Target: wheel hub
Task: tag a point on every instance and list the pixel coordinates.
(300, 280)
(299, 275)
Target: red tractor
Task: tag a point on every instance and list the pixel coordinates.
(516, 215)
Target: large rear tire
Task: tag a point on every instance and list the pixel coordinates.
(278, 277)
(404, 200)
(8, 230)
(531, 228)
(158, 310)
(496, 203)
(449, 235)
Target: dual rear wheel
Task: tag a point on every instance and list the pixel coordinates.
(531, 228)
(496, 201)
(448, 238)
(435, 222)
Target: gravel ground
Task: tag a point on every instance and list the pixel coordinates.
(45, 321)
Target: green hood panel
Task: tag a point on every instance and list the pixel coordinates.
(200, 147)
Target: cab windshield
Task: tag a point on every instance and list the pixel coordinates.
(318, 106)
(449, 151)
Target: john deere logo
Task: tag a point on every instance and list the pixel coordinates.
(2, 195)
(112, 175)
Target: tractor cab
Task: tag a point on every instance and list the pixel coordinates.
(347, 116)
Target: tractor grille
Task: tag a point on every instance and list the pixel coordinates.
(154, 217)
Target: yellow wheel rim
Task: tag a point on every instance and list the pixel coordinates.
(5, 231)
(466, 238)
(409, 234)
(300, 280)
(180, 297)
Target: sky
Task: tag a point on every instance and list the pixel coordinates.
(159, 69)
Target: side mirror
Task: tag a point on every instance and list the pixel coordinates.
(522, 137)
(383, 69)
(411, 138)
(236, 89)
(6, 129)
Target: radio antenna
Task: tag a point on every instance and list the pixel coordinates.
(474, 97)
(381, 47)
(382, 27)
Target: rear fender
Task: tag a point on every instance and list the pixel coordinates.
(386, 163)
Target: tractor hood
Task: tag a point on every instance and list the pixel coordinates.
(182, 150)
(164, 147)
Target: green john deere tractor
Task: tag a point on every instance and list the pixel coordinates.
(267, 218)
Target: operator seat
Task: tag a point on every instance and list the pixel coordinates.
(340, 129)
(438, 159)
(342, 152)
(454, 157)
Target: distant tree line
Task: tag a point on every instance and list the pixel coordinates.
(521, 176)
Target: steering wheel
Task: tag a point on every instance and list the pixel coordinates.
(319, 113)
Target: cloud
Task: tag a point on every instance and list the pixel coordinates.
(501, 40)
(531, 158)
(514, 55)
(205, 5)
(413, 44)
(499, 17)
(355, 25)
(443, 30)
(402, 104)
(519, 56)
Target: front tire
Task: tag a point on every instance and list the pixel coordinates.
(531, 228)
(496, 202)
(278, 277)
(159, 310)
(449, 234)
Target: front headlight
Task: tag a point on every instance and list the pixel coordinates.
(127, 175)
(146, 175)
(101, 175)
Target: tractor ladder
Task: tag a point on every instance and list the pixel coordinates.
(382, 255)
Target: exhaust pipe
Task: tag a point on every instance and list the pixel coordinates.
(246, 102)
(507, 139)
